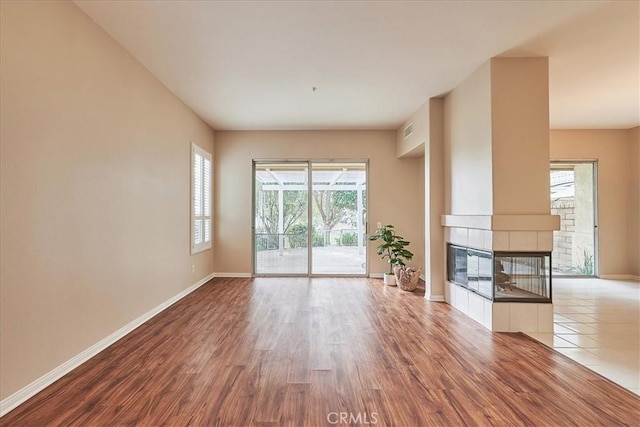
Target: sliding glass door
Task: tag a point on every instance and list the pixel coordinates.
(573, 198)
(339, 198)
(309, 218)
(281, 218)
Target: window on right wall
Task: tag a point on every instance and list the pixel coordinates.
(201, 227)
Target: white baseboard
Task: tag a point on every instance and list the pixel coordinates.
(435, 298)
(376, 275)
(20, 396)
(620, 277)
(232, 275)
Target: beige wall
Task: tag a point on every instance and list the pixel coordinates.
(468, 163)
(95, 189)
(520, 130)
(612, 150)
(497, 140)
(634, 201)
(414, 144)
(394, 185)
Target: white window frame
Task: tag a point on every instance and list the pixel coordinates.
(200, 219)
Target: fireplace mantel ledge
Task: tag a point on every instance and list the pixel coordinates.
(503, 222)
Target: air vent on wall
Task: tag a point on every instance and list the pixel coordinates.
(408, 130)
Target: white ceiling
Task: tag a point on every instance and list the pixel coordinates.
(253, 64)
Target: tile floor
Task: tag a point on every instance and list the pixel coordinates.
(597, 324)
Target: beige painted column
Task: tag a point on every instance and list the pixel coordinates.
(434, 203)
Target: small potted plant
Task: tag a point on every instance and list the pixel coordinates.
(393, 248)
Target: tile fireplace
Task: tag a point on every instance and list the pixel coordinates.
(501, 276)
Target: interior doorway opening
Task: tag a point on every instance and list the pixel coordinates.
(573, 198)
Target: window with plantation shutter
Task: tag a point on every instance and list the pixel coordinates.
(200, 199)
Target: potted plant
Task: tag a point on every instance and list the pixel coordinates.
(393, 248)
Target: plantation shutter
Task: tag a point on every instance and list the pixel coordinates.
(201, 199)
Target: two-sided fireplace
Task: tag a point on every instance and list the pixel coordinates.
(501, 276)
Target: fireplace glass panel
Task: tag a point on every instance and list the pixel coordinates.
(485, 274)
(479, 272)
(501, 276)
(522, 276)
(457, 265)
(472, 270)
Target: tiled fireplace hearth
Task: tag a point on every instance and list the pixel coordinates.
(501, 277)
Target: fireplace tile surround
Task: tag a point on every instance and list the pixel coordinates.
(504, 233)
(540, 241)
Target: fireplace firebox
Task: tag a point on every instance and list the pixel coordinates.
(501, 276)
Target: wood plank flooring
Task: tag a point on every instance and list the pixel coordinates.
(324, 351)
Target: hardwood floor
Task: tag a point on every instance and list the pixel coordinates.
(314, 352)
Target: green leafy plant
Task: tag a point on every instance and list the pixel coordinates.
(298, 236)
(349, 239)
(585, 266)
(317, 239)
(392, 248)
